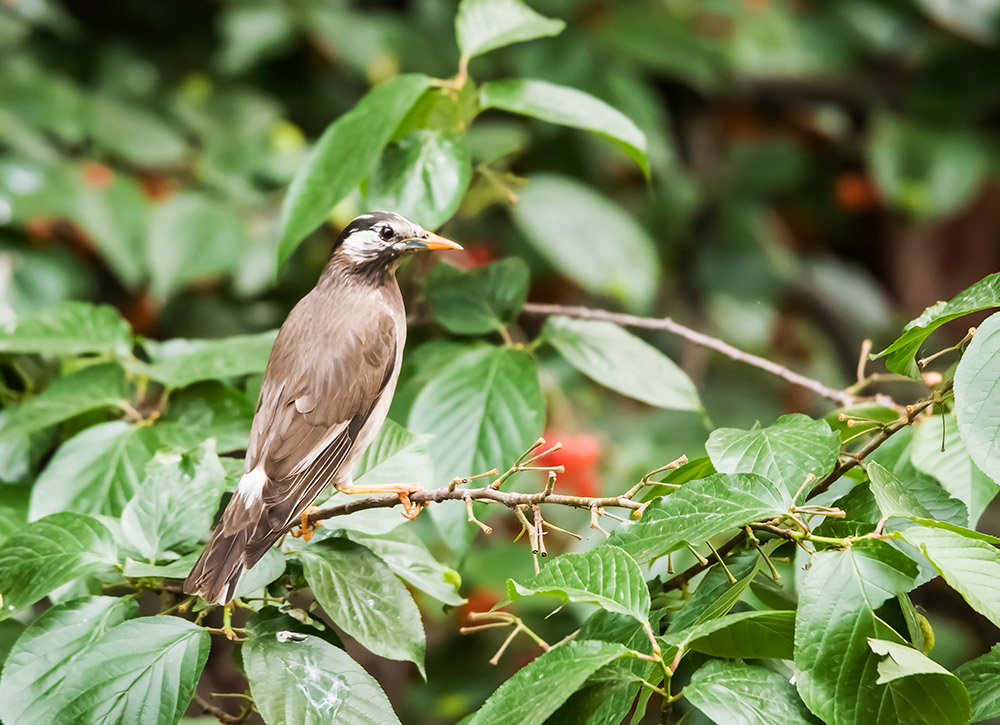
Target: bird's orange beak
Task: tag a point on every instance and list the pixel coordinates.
(432, 241)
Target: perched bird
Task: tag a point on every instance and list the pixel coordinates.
(329, 382)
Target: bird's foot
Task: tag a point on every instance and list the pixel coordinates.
(403, 490)
(306, 529)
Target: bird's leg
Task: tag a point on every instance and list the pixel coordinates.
(403, 490)
(306, 529)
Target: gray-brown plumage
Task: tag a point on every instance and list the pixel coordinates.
(326, 392)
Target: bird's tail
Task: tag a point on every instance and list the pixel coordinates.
(220, 566)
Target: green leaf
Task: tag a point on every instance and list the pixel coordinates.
(210, 409)
(744, 635)
(605, 576)
(484, 408)
(423, 176)
(700, 510)
(96, 471)
(192, 236)
(45, 653)
(970, 565)
(929, 172)
(92, 388)
(299, 678)
(589, 238)
(921, 690)
(135, 134)
(410, 559)
(48, 553)
(977, 398)
(567, 107)
(179, 362)
(621, 361)
(115, 217)
(144, 670)
(481, 300)
(983, 295)
(362, 595)
(485, 25)
(739, 694)
(72, 328)
(836, 669)
(540, 687)
(982, 679)
(344, 155)
(785, 452)
(176, 569)
(176, 503)
(270, 567)
(715, 596)
(952, 466)
(893, 496)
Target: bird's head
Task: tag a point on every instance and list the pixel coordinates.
(374, 243)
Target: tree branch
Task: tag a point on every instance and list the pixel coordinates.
(216, 711)
(486, 494)
(841, 397)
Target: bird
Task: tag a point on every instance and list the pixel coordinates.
(325, 394)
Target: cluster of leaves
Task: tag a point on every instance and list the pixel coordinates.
(117, 451)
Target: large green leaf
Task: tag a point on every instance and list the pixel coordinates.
(738, 694)
(144, 670)
(921, 690)
(539, 688)
(93, 387)
(621, 361)
(176, 503)
(299, 678)
(484, 408)
(410, 559)
(983, 295)
(423, 176)
(700, 510)
(590, 239)
(135, 134)
(96, 471)
(363, 596)
(982, 679)
(72, 328)
(478, 301)
(115, 218)
(179, 362)
(919, 496)
(942, 454)
(926, 171)
(192, 236)
(605, 576)
(210, 409)
(743, 635)
(44, 654)
(977, 397)
(970, 565)
(784, 452)
(345, 154)
(485, 25)
(836, 669)
(567, 107)
(716, 595)
(46, 554)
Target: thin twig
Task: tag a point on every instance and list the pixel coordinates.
(712, 343)
(216, 711)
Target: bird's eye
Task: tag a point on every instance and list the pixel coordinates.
(385, 233)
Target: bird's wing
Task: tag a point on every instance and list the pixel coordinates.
(320, 388)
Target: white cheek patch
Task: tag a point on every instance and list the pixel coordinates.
(251, 486)
(363, 245)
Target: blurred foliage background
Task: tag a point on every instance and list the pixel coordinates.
(820, 172)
